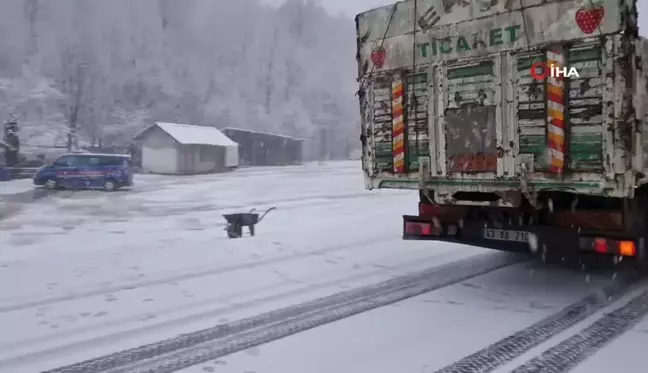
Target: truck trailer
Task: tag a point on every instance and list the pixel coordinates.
(521, 123)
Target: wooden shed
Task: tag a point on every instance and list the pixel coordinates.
(266, 149)
(182, 149)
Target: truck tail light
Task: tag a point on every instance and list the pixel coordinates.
(418, 229)
(601, 245)
(607, 246)
(627, 248)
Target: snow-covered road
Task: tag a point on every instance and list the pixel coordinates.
(325, 285)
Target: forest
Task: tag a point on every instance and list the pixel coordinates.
(95, 72)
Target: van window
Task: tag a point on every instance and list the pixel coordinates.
(112, 161)
(66, 161)
(92, 161)
(83, 161)
(62, 161)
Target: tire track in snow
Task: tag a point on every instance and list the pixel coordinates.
(248, 303)
(204, 345)
(14, 202)
(516, 344)
(155, 209)
(189, 274)
(568, 354)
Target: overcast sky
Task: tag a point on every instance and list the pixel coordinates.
(353, 7)
(349, 7)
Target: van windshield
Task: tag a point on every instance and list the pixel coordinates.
(66, 161)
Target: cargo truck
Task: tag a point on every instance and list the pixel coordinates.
(522, 124)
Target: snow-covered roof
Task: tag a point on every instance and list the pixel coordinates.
(187, 134)
(262, 133)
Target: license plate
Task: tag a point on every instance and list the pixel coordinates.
(506, 235)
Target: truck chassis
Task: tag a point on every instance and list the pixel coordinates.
(567, 225)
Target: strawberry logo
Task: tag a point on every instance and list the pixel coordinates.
(378, 57)
(589, 19)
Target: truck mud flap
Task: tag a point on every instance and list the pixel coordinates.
(474, 234)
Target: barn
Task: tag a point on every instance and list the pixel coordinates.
(266, 149)
(182, 149)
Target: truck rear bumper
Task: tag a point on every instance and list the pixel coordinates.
(570, 241)
(469, 234)
(530, 239)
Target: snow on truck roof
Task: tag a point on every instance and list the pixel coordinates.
(187, 134)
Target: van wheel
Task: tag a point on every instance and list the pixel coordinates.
(109, 186)
(51, 184)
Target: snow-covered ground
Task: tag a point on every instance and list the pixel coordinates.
(15, 186)
(85, 274)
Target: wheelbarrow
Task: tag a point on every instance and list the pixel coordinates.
(236, 222)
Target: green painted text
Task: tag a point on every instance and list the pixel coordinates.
(463, 43)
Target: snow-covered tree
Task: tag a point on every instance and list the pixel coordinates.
(124, 124)
(11, 141)
(95, 71)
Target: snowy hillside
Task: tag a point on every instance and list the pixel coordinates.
(103, 68)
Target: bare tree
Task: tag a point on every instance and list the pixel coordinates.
(32, 9)
(73, 85)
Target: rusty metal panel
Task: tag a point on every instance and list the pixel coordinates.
(624, 112)
(381, 141)
(641, 98)
(471, 139)
(439, 125)
(590, 219)
(472, 93)
(366, 130)
(435, 120)
(417, 100)
(585, 108)
(608, 109)
(381, 129)
(531, 110)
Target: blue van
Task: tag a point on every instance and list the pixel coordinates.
(86, 171)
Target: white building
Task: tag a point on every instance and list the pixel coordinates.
(182, 149)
